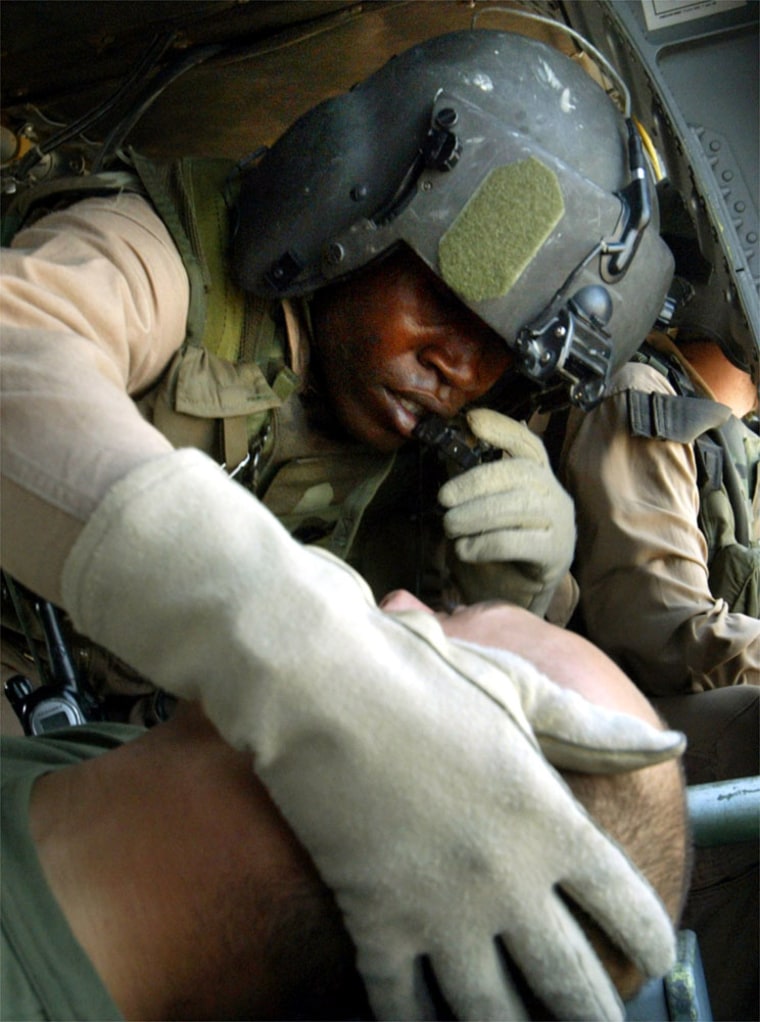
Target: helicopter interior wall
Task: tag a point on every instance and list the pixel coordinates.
(299, 52)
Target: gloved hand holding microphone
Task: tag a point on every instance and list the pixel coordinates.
(512, 523)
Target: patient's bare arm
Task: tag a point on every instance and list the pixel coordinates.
(186, 887)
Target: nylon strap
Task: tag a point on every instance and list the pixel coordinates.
(673, 417)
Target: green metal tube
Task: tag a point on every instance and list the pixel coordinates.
(725, 812)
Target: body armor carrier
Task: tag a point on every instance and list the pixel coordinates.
(727, 451)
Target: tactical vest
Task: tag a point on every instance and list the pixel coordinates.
(727, 451)
(229, 390)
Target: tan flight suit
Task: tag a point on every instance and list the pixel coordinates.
(84, 330)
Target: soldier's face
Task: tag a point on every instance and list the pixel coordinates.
(393, 344)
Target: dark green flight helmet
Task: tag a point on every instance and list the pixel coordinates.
(506, 168)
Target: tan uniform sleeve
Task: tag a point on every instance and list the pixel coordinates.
(641, 557)
(93, 304)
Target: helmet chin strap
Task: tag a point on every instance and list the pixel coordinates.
(638, 207)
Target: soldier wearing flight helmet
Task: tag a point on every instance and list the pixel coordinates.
(476, 207)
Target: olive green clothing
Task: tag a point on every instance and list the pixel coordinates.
(45, 972)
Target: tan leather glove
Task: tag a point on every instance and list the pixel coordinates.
(512, 523)
(407, 765)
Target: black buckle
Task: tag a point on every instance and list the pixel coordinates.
(573, 346)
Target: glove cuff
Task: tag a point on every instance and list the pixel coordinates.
(112, 548)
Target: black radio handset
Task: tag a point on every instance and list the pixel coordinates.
(454, 442)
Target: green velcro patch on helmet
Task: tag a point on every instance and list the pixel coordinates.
(500, 230)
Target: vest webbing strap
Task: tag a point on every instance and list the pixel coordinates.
(736, 487)
(165, 189)
(63, 191)
(673, 417)
(193, 198)
(727, 453)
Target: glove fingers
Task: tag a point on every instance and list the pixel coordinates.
(510, 435)
(498, 511)
(565, 972)
(642, 750)
(399, 994)
(516, 475)
(637, 923)
(575, 734)
(476, 984)
(512, 546)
